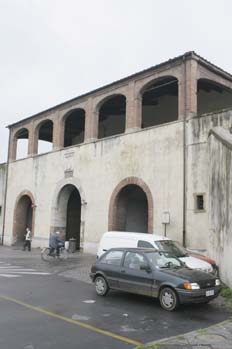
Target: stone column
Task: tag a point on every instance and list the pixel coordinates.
(133, 109)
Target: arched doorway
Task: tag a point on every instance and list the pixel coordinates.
(131, 207)
(69, 213)
(23, 218)
(131, 211)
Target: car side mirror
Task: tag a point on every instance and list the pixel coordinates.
(145, 267)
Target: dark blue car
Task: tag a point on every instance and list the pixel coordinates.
(153, 273)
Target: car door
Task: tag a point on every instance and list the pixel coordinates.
(134, 279)
(110, 266)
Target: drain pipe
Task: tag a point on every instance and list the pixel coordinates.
(184, 156)
(5, 195)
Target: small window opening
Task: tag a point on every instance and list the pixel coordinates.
(199, 202)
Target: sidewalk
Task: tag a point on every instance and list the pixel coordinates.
(214, 337)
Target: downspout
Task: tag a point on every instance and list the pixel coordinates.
(184, 156)
(5, 194)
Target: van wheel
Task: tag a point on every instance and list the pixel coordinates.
(101, 286)
(168, 299)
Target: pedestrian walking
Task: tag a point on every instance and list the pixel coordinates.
(28, 239)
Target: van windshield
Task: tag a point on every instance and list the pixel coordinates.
(172, 247)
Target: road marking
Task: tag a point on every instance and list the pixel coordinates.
(12, 268)
(74, 322)
(8, 269)
(10, 275)
(31, 273)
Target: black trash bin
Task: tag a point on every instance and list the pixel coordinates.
(72, 245)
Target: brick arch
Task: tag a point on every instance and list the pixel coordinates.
(17, 214)
(106, 99)
(113, 201)
(153, 80)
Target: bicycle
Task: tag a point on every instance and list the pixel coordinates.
(47, 255)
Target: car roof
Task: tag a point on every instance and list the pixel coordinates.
(134, 249)
(135, 235)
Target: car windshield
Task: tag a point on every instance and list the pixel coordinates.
(163, 260)
(173, 247)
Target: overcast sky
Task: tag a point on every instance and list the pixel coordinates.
(54, 50)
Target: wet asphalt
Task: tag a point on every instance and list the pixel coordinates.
(37, 310)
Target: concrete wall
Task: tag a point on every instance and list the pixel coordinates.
(2, 194)
(154, 155)
(220, 190)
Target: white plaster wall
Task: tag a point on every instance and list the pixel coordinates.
(198, 171)
(155, 155)
(2, 194)
(220, 215)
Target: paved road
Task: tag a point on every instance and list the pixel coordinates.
(52, 311)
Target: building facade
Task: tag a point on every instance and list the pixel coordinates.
(129, 156)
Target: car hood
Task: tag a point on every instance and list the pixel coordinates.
(195, 263)
(191, 275)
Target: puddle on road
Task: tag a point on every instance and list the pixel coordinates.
(80, 317)
(126, 328)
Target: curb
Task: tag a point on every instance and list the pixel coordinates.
(165, 341)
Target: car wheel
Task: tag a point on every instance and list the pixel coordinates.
(101, 286)
(168, 299)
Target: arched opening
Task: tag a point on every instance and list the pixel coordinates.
(23, 217)
(212, 97)
(112, 116)
(69, 213)
(131, 210)
(160, 102)
(74, 129)
(22, 143)
(45, 137)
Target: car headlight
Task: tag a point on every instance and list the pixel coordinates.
(217, 282)
(191, 286)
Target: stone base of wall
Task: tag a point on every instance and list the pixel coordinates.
(90, 247)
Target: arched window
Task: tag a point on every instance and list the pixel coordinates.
(212, 96)
(112, 116)
(74, 129)
(45, 137)
(160, 102)
(21, 138)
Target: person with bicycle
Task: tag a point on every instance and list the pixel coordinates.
(55, 243)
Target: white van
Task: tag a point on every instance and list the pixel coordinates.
(113, 239)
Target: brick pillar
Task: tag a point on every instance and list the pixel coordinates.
(181, 96)
(191, 87)
(58, 132)
(12, 146)
(32, 140)
(133, 109)
(91, 122)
